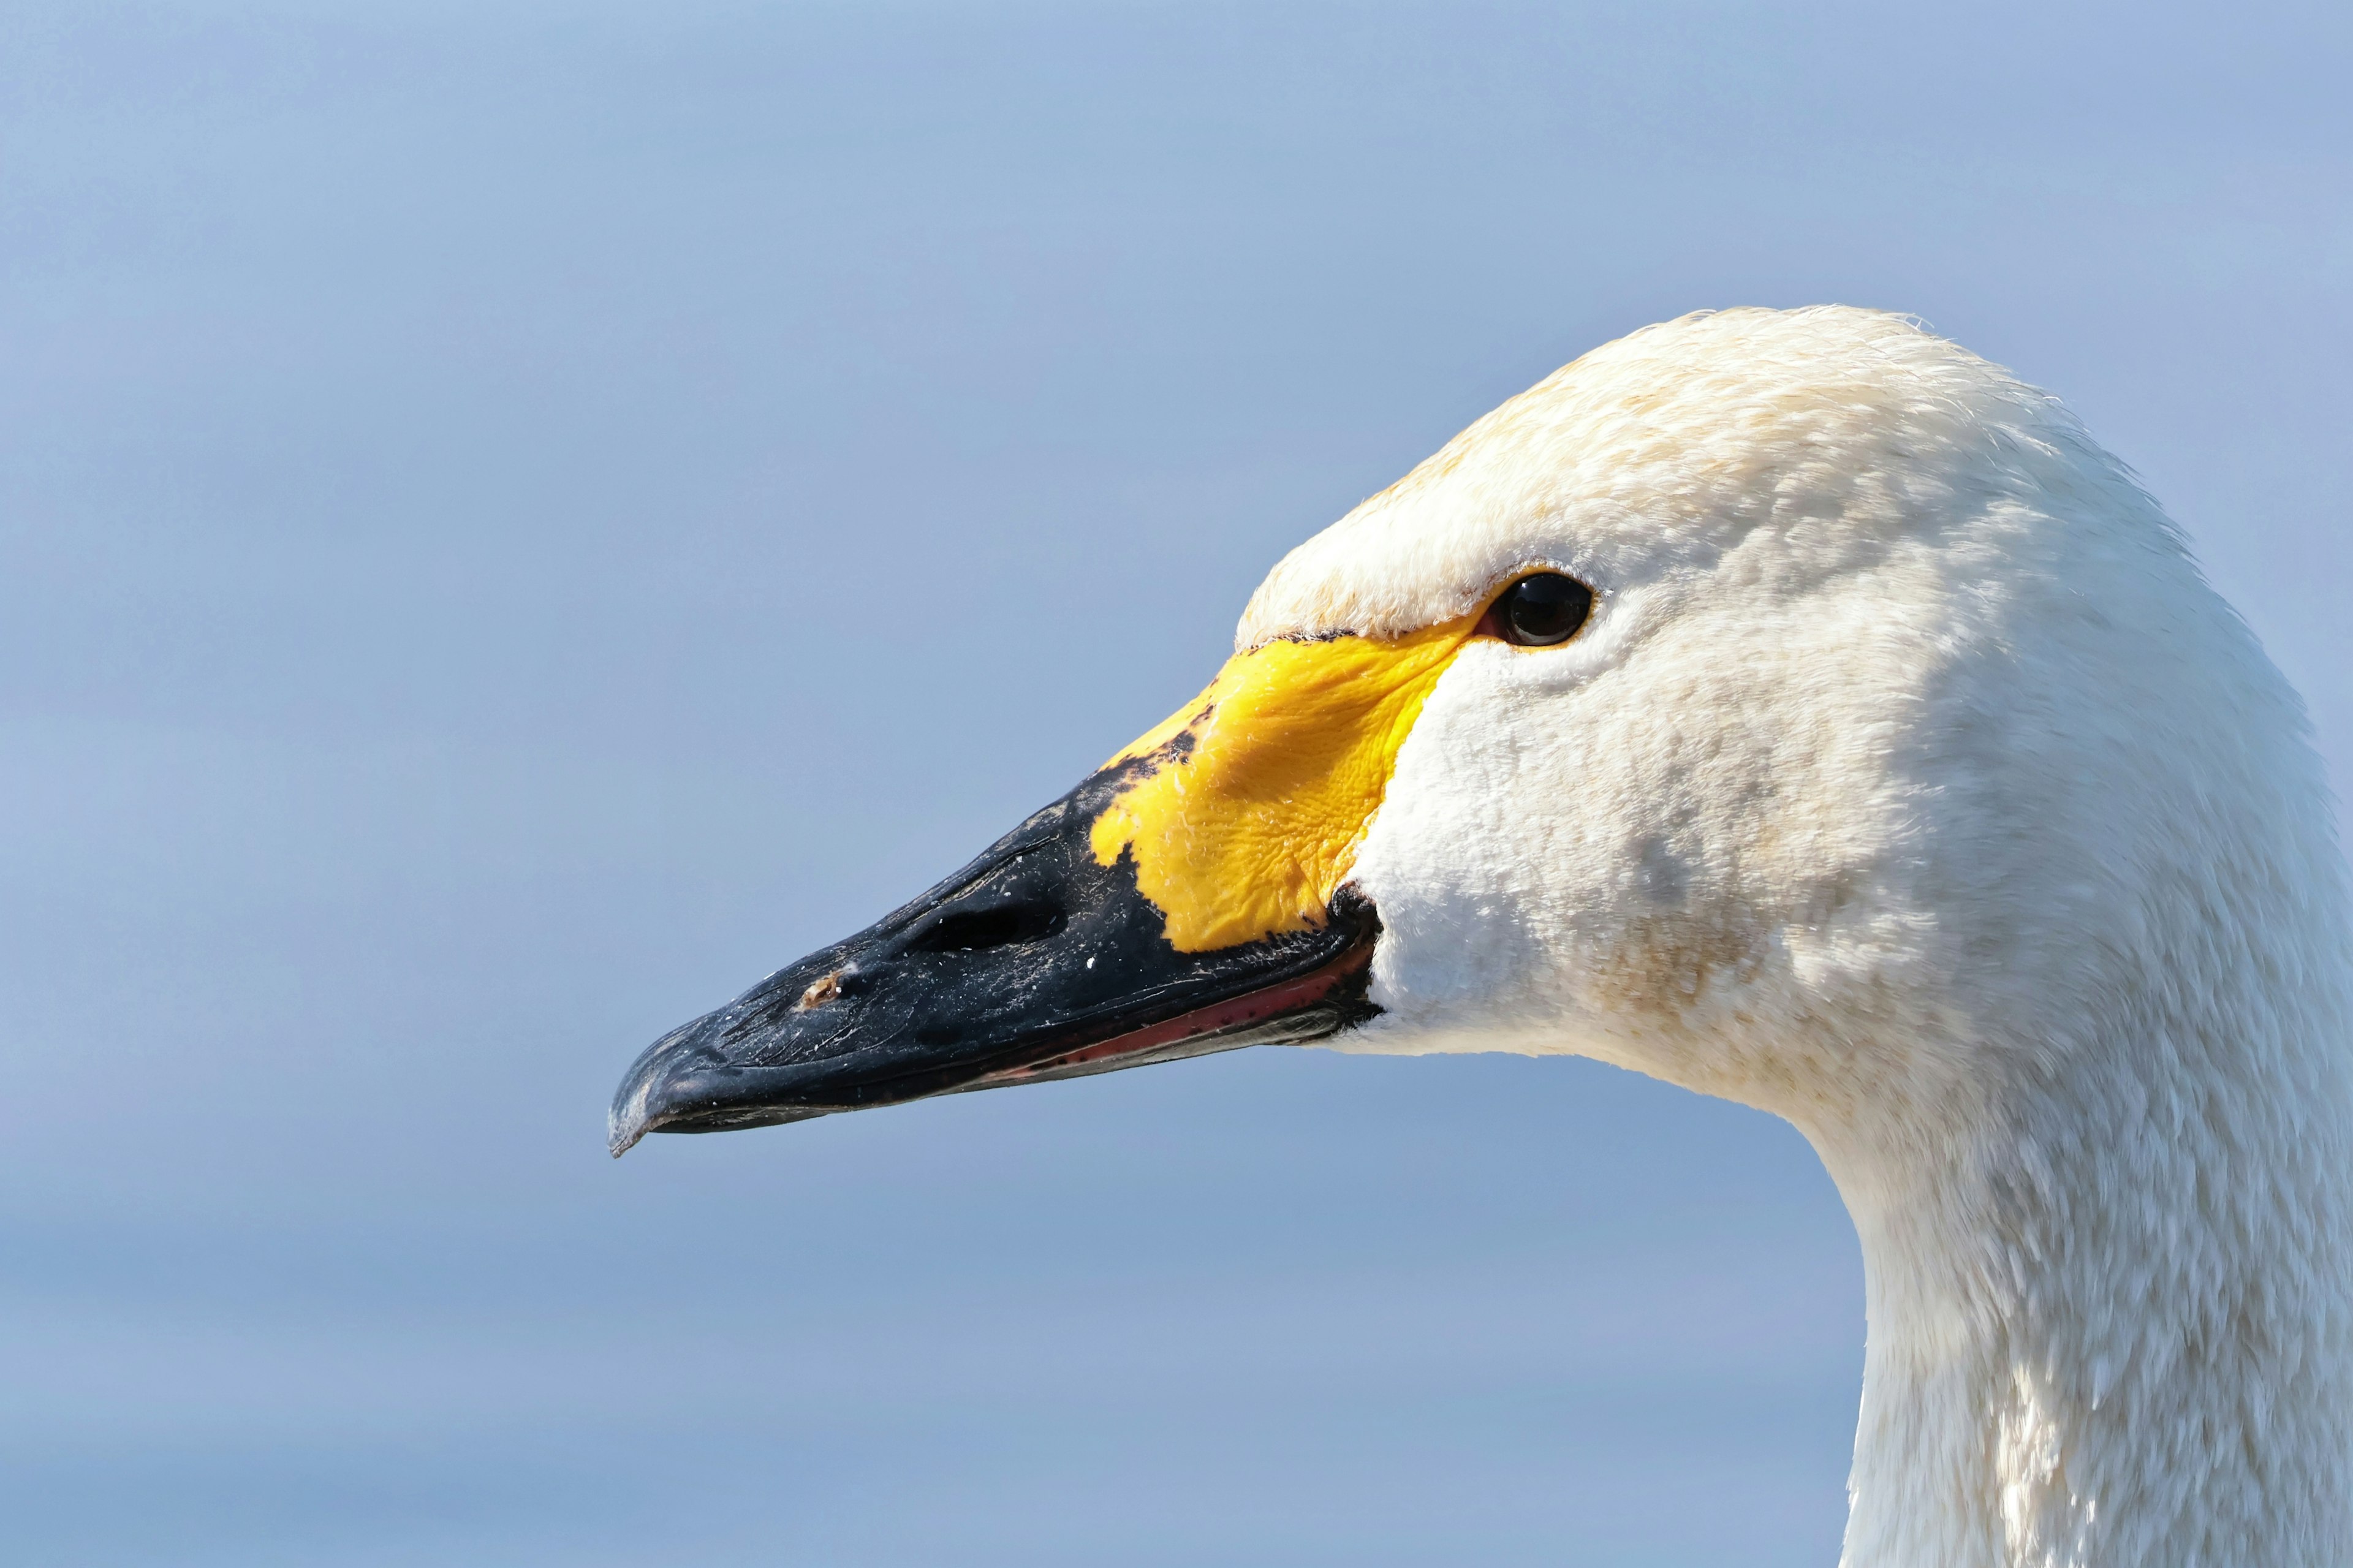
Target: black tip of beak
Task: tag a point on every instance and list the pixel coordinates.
(1032, 963)
(687, 1082)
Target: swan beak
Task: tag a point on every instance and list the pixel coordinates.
(1190, 896)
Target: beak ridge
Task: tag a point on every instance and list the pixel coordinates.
(1036, 961)
(1192, 895)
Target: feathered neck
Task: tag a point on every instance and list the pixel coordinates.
(2111, 1321)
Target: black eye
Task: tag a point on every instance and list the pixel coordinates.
(1540, 610)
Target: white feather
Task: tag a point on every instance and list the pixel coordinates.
(1909, 782)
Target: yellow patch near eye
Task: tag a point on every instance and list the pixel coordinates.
(1249, 824)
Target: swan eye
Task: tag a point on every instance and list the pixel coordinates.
(1540, 609)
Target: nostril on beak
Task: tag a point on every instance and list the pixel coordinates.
(998, 925)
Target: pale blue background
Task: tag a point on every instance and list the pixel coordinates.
(518, 520)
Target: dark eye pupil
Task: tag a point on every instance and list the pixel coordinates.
(1545, 608)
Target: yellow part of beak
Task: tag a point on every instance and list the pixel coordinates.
(1266, 783)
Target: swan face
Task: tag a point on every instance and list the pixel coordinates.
(1891, 680)
(1903, 725)
(1702, 838)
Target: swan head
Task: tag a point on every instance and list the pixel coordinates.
(1789, 705)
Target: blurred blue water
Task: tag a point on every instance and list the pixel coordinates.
(514, 522)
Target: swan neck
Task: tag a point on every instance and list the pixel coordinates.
(2109, 1324)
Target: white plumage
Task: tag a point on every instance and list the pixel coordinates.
(1905, 780)
(1911, 784)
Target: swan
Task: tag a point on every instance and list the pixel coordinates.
(1797, 708)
